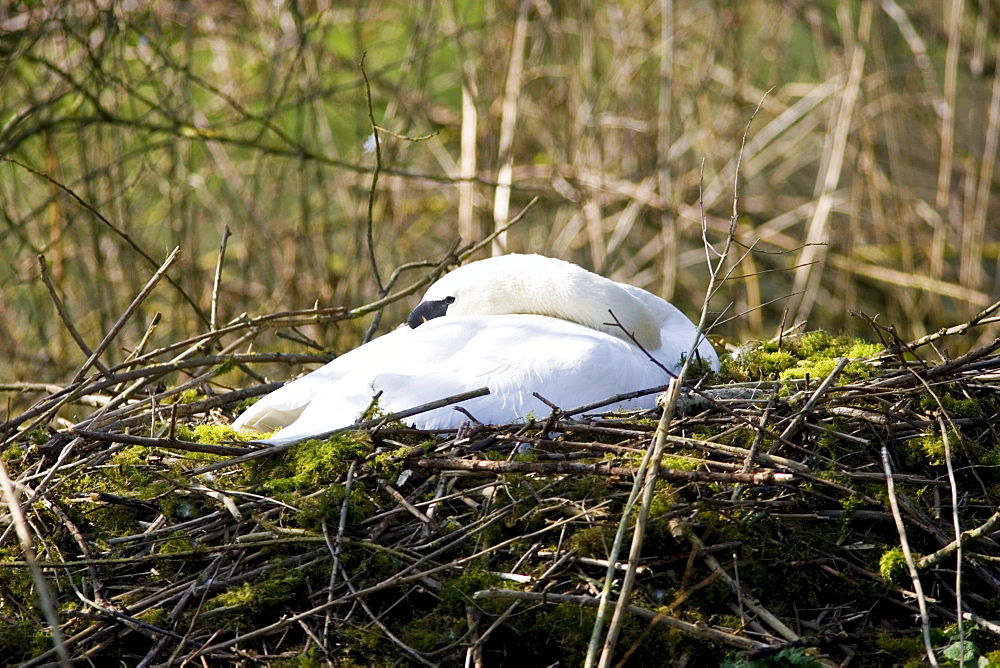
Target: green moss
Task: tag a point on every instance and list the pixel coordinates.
(901, 648)
(388, 465)
(17, 589)
(155, 616)
(595, 541)
(188, 396)
(761, 364)
(178, 542)
(791, 657)
(38, 436)
(12, 452)
(251, 598)
(430, 631)
(665, 499)
(211, 434)
(227, 365)
(456, 594)
(578, 488)
(241, 406)
(22, 640)
(680, 463)
(928, 448)
(892, 564)
(316, 510)
(953, 406)
(814, 354)
(311, 464)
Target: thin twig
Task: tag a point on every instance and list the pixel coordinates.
(217, 281)
(908, 556)
(113, 332)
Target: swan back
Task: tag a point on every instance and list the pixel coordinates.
(534, 284)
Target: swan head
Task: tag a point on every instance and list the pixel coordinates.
(542, 286)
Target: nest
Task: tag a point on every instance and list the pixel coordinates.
(805, 508)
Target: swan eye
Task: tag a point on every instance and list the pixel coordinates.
(428, 311)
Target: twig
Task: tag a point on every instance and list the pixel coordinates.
(508, 122)
(654, 455)
(46, 601)
(217, 281)
(113, 332)
(176, 444)
(366, 424)
(64, 315)
(697, 630)
(820, 391)
(600, 468)
(369, 230)
(908, 556)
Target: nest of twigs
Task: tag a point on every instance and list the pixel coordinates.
(149, 535)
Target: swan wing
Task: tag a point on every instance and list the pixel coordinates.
(286, 404)
(513, 355)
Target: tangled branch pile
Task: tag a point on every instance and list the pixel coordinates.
(156, 536)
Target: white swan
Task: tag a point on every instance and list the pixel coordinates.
(517, 324)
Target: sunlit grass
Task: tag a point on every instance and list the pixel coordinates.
(175, 125)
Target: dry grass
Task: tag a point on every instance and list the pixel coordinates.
(878, 138)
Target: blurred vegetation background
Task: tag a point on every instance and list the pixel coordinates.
(868, 182)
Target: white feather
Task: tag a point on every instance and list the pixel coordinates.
(519, 324)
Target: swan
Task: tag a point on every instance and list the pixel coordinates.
(517, 324)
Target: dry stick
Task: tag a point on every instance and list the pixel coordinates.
(807, 281)
(910, 377)
(366, 424)
(369, 231)
(70, 393)
(953, 485)
(696, 630)
(113, 332)
(338, 545)
(908, 555)
(664, 139)
(539, 583)
(106, 414)
(508, 123)
(162, 443)
(947, 112)
(981, 318)
(655, 453)
(600, 468)
(758, 437)
(986, 528)
(46, 601)
(988, 162)
(399, 578)
(820, 391)
(138, 350)
(648, 484)
(467, 149)
(752, 603)
(78, 537)
(61, 310)
(385, 629)
(217, 281)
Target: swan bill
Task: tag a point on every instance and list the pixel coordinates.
(428, 311)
